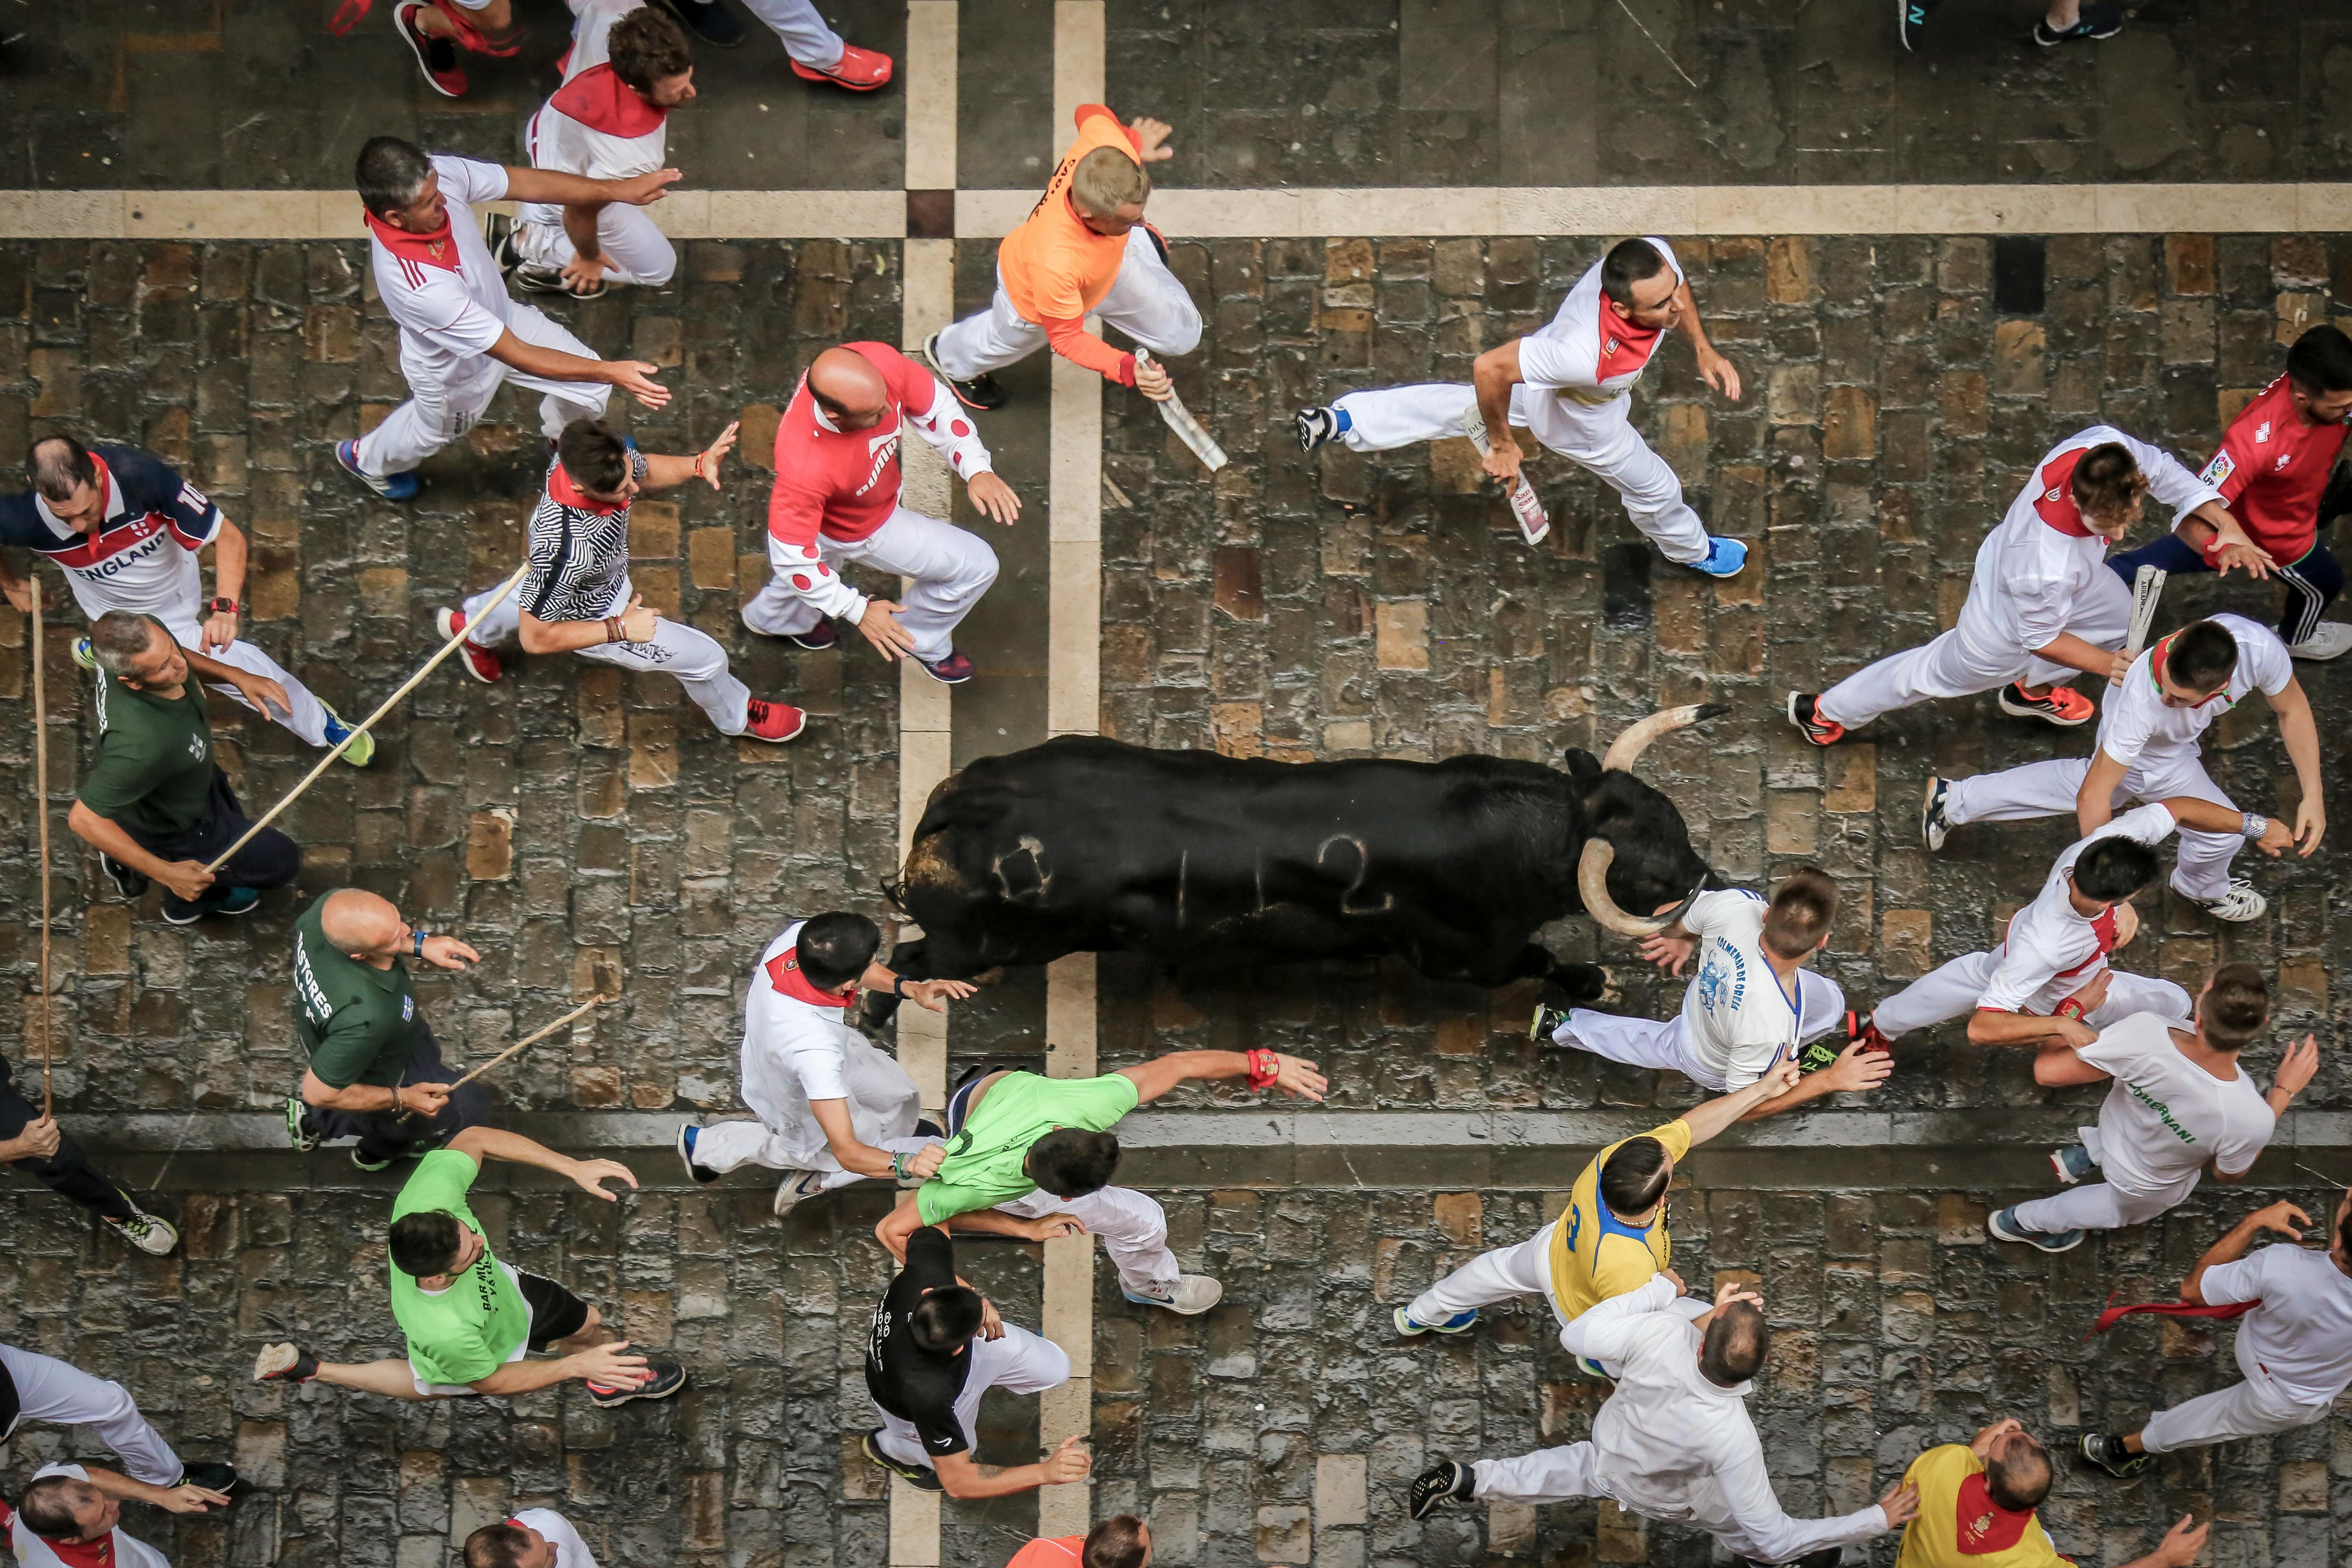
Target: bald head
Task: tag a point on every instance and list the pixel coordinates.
(849, 389)
(361, 923)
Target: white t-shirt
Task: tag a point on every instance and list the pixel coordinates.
(31, 1552)
(2300, 1338)
(2051, 952)
(1587, 347)
(2165, 1117)
(571, 1552)
(1739, 1018)
(451, 303)
(2134, 723)
(796, 1051)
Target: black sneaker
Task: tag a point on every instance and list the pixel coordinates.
(979, 392)
(1805, 713)
(1315, 427)
(533, 279)
(1547, 1022)
(1911, 19)
(707, 20)
(668, 1379)
(298, 1125)
(285, 1362)
(817, 639)
(211, 1475)
(130, 884)
(370, 1167)
(1442, 1482)
(915, 1476)
(1933, 824)
(2107, 1450)
(2093, 21)
(498, 234)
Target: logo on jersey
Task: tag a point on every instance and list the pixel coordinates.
(407, 1008)
(2285, 458)
(1722, 981)
(885, 449)
(2217, 472)
(2261, 432)
(197, 747)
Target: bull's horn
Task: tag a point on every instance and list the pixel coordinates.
(1627, 749)
(1592, 882)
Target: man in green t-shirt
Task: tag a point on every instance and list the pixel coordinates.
(375, 1072)
(470, 1319)
(156, 806)
(1033, 1157)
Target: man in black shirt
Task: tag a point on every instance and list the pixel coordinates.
(937, 1346)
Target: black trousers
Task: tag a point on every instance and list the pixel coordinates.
(271, 860)
(387, 1134)
(65, 1172)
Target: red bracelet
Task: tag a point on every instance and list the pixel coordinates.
(2070, 1008)
(1264, 1067)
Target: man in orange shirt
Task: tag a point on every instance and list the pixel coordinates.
(1084, 247)
(1121, 1540)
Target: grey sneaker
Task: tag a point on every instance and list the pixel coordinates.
(299, 1131)
(1190, 1295)
(150, 1234)
(2240, 904)
(2002, 1226)
(795, 1189)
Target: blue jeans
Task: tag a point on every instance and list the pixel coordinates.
(2312, 583)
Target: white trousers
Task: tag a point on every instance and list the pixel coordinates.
(952, 568)
(437, 415)
(48, 1389)
(308, 717)
(1019, 1363)
(2248, 1409)
(1953, 990)
(1567, 1473)
(724, 1146)
(1665, 1043)
(635, 247)
(1505, 1272)
(1600, 438)
(2050, 789)
(1147, 302)
(806, 38)
(693, 658)
(1132, 1229)
(1958, 666)
(2100, 1205)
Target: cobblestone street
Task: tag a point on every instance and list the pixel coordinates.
(1296, 607)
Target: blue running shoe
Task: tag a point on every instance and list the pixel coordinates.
(359, 753)
(1725, 557)
(392, 487)
(1459, 1323)
(2003, 1226)
(83, 655)
(1590, 1368)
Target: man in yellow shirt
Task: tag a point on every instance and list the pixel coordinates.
(1084, 248)
(1976, 1509)
(1612, 1237)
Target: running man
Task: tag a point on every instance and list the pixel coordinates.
(2036, 986)
(1612, 1238)
(2293, 1346)
(2147, 750)
(1977, 1503)
(1083, 250)
(831, 1108)
(1751, 1004)
(626, 69)
(57, 1394)
(1569, 384)
(1033, 1157)
(470, 1319)
(837, 498)
(461, 338)
(535, 1538)
(2278, 470)
(1122, 1541)
(2039, 610)
(1673, 1440)
(937, 1345)
(2180, 1101)
(38, 1146)
(70, 1517)
(577, 597)
(125, 530)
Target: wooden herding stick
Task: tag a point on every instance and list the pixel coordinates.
(41, 805)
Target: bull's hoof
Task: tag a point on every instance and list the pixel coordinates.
(1586, 983)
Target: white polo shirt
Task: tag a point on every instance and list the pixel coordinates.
(2135, 727)
(444, 290)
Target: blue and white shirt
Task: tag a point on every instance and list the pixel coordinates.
(1739, 1017)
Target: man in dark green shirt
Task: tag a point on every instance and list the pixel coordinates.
(156, 805)
(375, 1072)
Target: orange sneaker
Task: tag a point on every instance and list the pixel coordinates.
(2062, 705)
(777, 721)
(860, 70)
(1805, 713)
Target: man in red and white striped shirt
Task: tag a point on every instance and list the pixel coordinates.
(836, 498)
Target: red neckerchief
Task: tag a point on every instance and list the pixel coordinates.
(785, 974)
(438, 248)
(560, 489)
(2115, 1315)
(1985, 1526)
(2155, 659)
(2056, 502)
(598, 98)
(1625, 343)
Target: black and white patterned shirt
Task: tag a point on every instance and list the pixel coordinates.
(579, 550)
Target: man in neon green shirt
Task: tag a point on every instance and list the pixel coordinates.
(470, 1319)
(1033, 1157)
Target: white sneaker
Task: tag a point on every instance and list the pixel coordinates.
(151, 1234)
(2328, 640)
(803, 1185)
(1191, 1294)
(2240, 903)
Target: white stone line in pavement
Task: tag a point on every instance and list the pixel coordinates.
(1277, 214)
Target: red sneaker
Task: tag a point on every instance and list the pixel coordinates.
(1805, 713)
(860, 70)
(480, 662)
(776, 722)
(2061, 705)
(952, 670)
(437, 58)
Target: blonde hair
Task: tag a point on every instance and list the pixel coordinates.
(1106, 180)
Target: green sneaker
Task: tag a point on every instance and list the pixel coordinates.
(82, 654)
(298, 1125)
(1547, 1022)
(360, 751)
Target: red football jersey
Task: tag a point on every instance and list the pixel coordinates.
(2272, 466)
(845, 483)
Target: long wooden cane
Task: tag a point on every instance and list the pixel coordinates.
(411, 684)
(41, 805)
(588, 1007)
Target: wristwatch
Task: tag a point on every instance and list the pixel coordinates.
(898, 985)
(222, 607)
(417, 939)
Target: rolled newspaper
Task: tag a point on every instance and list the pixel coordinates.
(1188, 430)
(1534, 522)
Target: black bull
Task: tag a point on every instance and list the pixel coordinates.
(1205, 861)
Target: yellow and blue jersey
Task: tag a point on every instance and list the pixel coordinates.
(1595, 1255)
